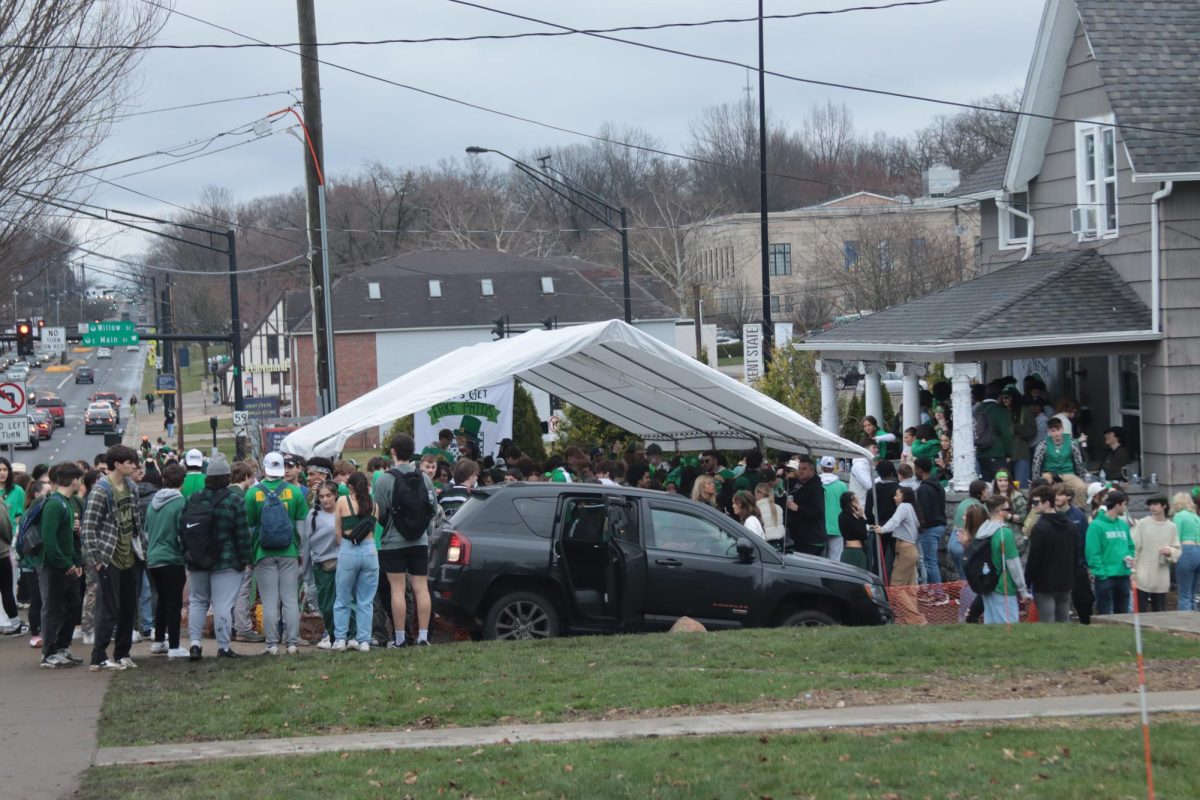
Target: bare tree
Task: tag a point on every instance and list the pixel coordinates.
(735, 304)
(65, 72)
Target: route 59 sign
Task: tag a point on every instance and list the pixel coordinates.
(14, 420)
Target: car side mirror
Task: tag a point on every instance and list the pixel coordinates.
(745, 550)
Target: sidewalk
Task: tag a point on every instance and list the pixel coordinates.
(49, 733)
(1170, 621)
(709, 725)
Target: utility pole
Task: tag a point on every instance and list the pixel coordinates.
(314, 157)
(768, 331)
(696, 315)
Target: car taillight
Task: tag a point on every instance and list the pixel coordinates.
(458, 550)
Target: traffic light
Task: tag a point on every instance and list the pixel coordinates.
(24, 339)
(41, 322)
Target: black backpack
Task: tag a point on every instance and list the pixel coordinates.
(411, 508)
(982, 576)
(985, 431)
(198, 530)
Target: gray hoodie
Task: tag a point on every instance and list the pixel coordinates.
(1012, 563)
(163, 496)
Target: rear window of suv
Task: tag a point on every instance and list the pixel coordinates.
(49, 402)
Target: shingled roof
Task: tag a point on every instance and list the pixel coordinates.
(988, 178)
(1148, 55)
(583, 292)
(1048, 294)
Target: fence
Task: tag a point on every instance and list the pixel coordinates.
(940, 604)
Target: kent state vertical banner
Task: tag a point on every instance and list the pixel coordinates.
(484, 414)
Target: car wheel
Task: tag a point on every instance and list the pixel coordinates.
(807, 618)
(35, 444)
(521, 615)
(839, 382)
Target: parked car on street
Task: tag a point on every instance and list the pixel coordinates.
(54, 406)
(849, 380)
(99, 417)
(85, 375)
(44, 422)
(538, 560)
(18, 372)
(35, 440)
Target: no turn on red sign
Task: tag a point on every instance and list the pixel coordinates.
(14, 422)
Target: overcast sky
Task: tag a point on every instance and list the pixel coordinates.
(956, 49)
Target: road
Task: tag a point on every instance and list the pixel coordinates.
(121, 374)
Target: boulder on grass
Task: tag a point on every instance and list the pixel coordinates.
(687, 625)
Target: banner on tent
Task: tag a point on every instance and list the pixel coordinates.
(483, 414)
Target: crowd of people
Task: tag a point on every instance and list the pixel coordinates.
(139, 541)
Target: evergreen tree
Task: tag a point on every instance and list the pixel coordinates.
(793, 381)
(527, 427)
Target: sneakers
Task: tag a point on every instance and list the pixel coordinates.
(394, 645)
(136, 637)
(35, 641)
(77, 634)
(127, 663)
(325, 644)
(89, 637)
(339, 646)
(15, 629)
(272, 650)
(70, 657)
(422, 643)
(107, 665)
(194, 653)
(292, 649)
(56, 661)
(178, 652)
(364, 647)
(251, 636)
(227, 654)
(158, 648)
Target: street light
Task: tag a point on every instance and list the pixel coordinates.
(550, 182)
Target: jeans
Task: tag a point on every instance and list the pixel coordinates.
(1021, 471)
(1187, 575)
(168, 585)
(1000, 609)
(357, 581)
(1054, 607)
(955, 549)
(220, 589)
(116, 604)
(60, 606)
(146, 603)
(1112, 595)
(278, 579)
(929, 541)
(242, 623)
(833, 548)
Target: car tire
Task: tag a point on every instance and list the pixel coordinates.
(521, 615)
(36, 444)
(808, 618)
(839, 382)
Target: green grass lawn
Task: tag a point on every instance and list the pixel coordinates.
(1085, 759)
(588, 677)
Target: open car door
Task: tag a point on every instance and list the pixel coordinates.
(627, 560)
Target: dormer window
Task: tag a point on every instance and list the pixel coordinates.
(485, 287)
(373, 291)
(1095, 179)
(547, 285)
(435, 288)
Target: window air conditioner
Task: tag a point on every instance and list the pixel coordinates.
(1083, 220)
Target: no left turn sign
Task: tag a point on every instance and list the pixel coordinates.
(12, 399)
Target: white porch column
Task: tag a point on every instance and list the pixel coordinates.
(912, 394)
(960, 376)
(829, 371)
(874, 392)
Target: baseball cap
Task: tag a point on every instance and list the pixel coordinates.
(828, 462)
(273, 465)
(793, 464)
(1093, 489)
(194, 458)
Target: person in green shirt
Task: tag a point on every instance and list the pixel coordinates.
(1109, 550)
(1058, 454)
(441, 449)
(976, 493)
(1002, 604)
(277, 572)
(60, 570)
(1187, 568)
(164, 561)
(194, 482)
(834, 487)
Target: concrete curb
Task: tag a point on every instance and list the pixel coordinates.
(708, 725)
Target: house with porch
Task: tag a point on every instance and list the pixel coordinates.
(1090, 230)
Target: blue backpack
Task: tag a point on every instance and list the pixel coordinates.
(29, 533)
(275, 529)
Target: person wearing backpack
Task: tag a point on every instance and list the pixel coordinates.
(405, 505)
(993, 433)
(60, 569)
(214, 533)
(273, 507)
(13, 497)
(114, 547)
(995, 550)
(164, 561)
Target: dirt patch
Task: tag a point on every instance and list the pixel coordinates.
(942, 687)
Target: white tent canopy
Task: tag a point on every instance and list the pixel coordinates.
(608, 368)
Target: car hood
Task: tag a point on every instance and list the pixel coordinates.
(833, 568)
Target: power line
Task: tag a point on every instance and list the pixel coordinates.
(475, 37)
(813, 81)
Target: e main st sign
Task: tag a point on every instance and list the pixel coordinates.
(110, 334)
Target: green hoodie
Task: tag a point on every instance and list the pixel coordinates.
(57, 526)
(834, 490)
(1109, 541)
(162, 529)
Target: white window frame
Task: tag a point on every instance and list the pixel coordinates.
(547, 284)
(486, 287)
(435, 287)
(373, 291)
(1092, 192)
(1005, 223)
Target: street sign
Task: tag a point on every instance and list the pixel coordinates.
(165, 383)
(54, 340)
(110, 334)
(14, 419)
(260, 408)
(240, 418)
